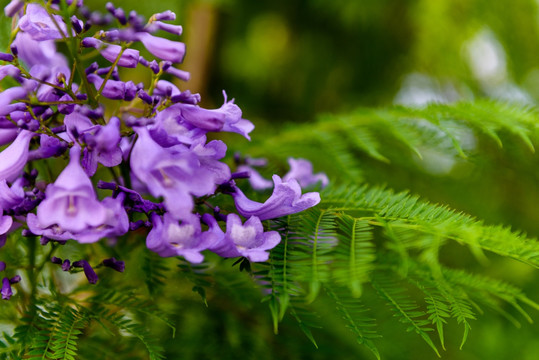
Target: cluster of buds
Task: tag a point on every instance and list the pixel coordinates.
(162, 170)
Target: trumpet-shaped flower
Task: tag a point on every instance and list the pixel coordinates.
(174, 173)
(248, 239)
(14, 157)
(286, 199)
(302, 171)
(71, 202)
(169, 238)
(164, 49)
(129, 58)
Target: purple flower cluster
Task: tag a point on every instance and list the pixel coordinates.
(162, 170)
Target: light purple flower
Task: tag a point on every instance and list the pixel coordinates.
(5, 225)
(302, 171)
(286, 199)
(165, 15)
(43, 53)
(164, 49)
(164, 86)
(103, 146)
(113, 89)
(169, 238)
(180, 74)
(174, 173)
(14, 157)
(39, 25)
(170, 28)
(209, 155)
(227, 118)
(9, 70)
(255, 179)
(71, 202)
(129, 58)
(116, 224)
(13, 7)
(12, 196)
(248, 240)
(169, 129)
(7, 135)
(11, 94)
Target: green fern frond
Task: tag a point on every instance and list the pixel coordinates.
(309, 256)
(127, 325)
(405, 309)
(353, 312)
(401, 210)
(65, 334)
(129, 300)
(354, 254)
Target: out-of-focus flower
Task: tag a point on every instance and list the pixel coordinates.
(302, 171)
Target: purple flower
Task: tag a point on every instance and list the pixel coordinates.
(14, 157)
(71, 202)
(170, 28)
(114, 264)
(302, 171)
(39, 25)
(165, 15)
(163, 87)
(169, 129)
(102, 142)
(163, 48)
(133, 200)
(255, 179)
(248, 240)
(169, 238)
(66, 265)
(116, 224)
(9, 95)
(9, 70)
(11, 197)
(5, 223)
(226, 118)
(33, 52)
(49, 147)
(88, 270)
(209, 155)
(129, 58)
(180, 74)
(13, 7)
(113, 89)
(6, 289)
(286, 199)
(174, 173)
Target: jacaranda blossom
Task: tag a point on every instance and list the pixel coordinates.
(71, 202)
(14, 157)
(248, 239)
(170, 238)
(286, 199)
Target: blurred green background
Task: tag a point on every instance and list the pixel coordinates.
(285, 62)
